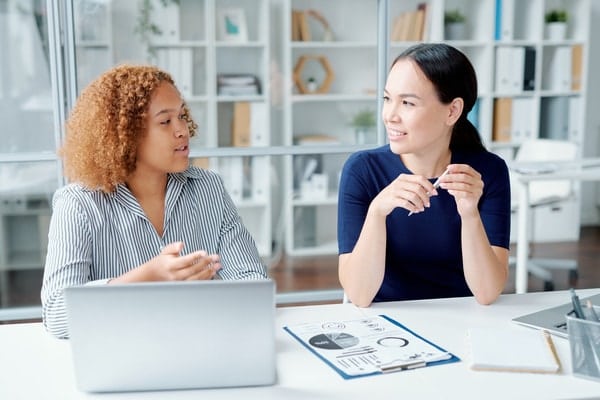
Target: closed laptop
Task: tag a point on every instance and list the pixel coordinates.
(172, 335)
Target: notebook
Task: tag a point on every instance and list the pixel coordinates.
(553, 319)
(512, 350)
(172, 335)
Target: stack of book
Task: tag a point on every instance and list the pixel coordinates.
(238, 85)
(410, 25)
(300, 26)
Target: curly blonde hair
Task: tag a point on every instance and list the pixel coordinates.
(106, 125)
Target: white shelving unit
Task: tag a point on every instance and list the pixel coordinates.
(321, 117)
(496, 31)
(249, 55)
(196, 41)
(341, 56)
(511, 107)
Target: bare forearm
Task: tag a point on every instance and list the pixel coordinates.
(361, 271)
(485, 266)
(138, 274)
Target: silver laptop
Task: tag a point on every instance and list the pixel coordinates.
(172, 335)
(553, 319)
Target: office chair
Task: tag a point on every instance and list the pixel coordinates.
(545, 193)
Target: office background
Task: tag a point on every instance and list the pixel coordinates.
(283, 91)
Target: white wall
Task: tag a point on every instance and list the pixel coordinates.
(590, 213)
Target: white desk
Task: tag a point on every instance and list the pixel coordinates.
(34, 365)
(583, 170)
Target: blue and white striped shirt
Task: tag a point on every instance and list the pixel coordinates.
(95, 236)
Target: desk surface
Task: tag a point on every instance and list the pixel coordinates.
(33, 365)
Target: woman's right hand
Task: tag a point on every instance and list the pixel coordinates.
(169, 265)
(410, 192)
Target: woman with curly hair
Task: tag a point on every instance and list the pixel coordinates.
(135, 209)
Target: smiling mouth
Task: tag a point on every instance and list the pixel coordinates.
(182, 148)
(396, 133)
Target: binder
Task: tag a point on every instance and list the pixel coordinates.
(554, 118)
(576, 67)
(259, 132)
(473, 115)
(517, 72)
(529, 69)
(502, 120)
(575, 120)
(249, 125)
(231, 170)
(558, 69)
(504, 70)
(521, 120)
(504, 16)
(260, 178)
(182, 67)
(240, 126)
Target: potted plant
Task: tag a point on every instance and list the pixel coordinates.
(146, 28)
(556, 24)
(364, 123)
(454, 25)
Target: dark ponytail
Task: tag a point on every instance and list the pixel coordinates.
(465, 136)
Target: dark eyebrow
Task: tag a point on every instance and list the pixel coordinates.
(168, 110)
(403, 95)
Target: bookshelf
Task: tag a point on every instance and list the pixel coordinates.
(211, 48)
(530, 86)
(328, 56)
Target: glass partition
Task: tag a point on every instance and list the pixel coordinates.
(253, 127)
(28, 172)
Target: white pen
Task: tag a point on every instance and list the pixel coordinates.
(436, 184)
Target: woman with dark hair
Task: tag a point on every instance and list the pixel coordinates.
(135, 209)
(401, 234)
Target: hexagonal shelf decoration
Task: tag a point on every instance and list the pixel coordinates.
(301, 63)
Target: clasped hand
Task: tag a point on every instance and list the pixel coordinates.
(412, 192)
(169, 265)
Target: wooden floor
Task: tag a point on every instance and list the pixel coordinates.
(317, 273)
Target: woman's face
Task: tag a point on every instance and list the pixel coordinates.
(415, 119)
(165, 146)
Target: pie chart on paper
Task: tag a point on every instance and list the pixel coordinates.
(333, 341)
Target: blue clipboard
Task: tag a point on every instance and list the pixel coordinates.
(348, 356)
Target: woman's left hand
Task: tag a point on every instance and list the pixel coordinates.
(466, 185)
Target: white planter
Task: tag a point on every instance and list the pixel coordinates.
(455, 31)
(364, 135)
(556, 30)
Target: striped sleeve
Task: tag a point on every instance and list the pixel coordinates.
(237, 249)
(68, 260)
